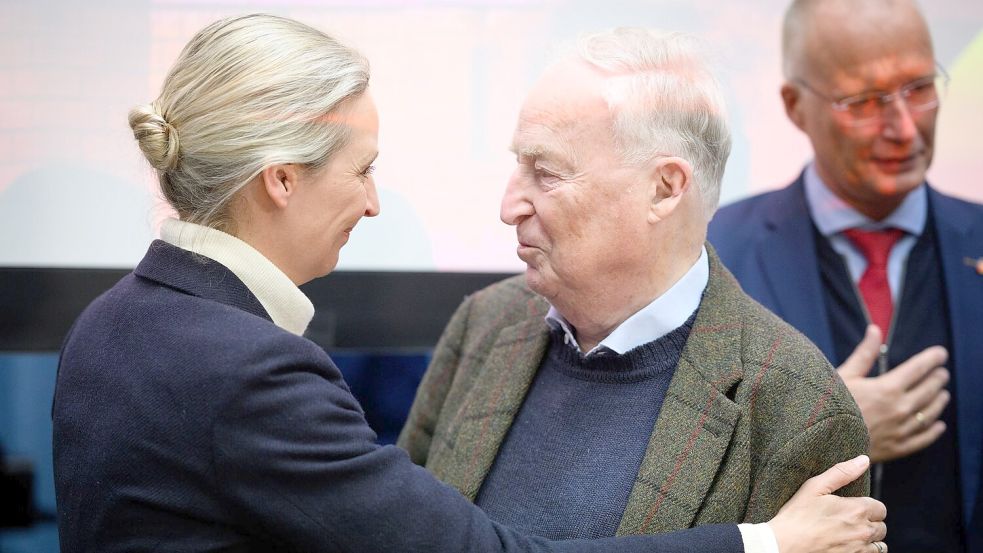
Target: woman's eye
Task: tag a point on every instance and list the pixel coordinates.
(368, 171)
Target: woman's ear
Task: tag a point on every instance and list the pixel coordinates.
(672, 179)
(279, 182)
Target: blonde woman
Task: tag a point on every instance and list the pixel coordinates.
(190, 413)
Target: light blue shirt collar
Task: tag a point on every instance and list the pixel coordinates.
(832, 215)
(665, 314)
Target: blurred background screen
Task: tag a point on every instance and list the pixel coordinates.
(448, 77)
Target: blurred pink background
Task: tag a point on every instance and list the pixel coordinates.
(448, 78)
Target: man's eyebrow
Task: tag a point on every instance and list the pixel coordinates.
(534, 151)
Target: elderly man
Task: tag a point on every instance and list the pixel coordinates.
(860, 250)
(625, 384)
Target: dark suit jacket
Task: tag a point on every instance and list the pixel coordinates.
(752, 411)
(185, 420)
(768, 242)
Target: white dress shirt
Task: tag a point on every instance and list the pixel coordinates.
(665, 314)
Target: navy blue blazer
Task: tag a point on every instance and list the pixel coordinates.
(767, 241)
(185, 420)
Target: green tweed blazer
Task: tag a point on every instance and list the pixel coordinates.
(752, 411)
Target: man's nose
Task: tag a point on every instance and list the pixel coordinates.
(516, 204)
(898, 122)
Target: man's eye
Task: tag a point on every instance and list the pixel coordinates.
(548, 179)
(921, 92)
(864, 106)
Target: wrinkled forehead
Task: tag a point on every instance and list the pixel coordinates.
(566, 102)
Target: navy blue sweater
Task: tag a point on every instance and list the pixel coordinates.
(568, 464)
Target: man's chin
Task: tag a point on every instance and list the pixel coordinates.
(899, 185)
(894, 179)
(536, 282)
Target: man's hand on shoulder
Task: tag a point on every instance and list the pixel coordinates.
(901, 407)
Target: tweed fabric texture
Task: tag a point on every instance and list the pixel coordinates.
(752, 411)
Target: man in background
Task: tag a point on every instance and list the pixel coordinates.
(872, 264)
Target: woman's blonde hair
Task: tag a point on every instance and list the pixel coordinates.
(245, 93)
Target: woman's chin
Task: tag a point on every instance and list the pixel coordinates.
(329, 266)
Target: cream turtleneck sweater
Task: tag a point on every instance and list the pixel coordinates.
(289, 308)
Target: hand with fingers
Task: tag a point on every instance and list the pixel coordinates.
(814, 520)
(902, 406)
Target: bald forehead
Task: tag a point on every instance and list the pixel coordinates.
(567, 92)
(827, 35)
(567, 100)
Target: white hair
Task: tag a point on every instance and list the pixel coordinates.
(246, 93)
(665, 101)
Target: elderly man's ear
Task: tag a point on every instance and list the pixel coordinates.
(672, 180)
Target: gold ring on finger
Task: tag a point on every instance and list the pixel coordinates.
(920, 417)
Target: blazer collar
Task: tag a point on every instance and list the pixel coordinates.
(198, 276)
(495, 398)
(787, 253)
(697, 421)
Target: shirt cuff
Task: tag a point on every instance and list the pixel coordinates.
(758, 538)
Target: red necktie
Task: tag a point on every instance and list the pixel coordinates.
(876, 246)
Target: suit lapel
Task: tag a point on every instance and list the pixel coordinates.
(697, 420)
(492, 403)
(787, 256)
(960, 238)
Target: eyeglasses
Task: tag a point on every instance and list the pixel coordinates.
(868, 107)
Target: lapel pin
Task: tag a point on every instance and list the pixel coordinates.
(975, 263)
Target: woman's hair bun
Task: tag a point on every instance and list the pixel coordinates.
(157, 138)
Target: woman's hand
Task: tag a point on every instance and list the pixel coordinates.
(816, 521)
